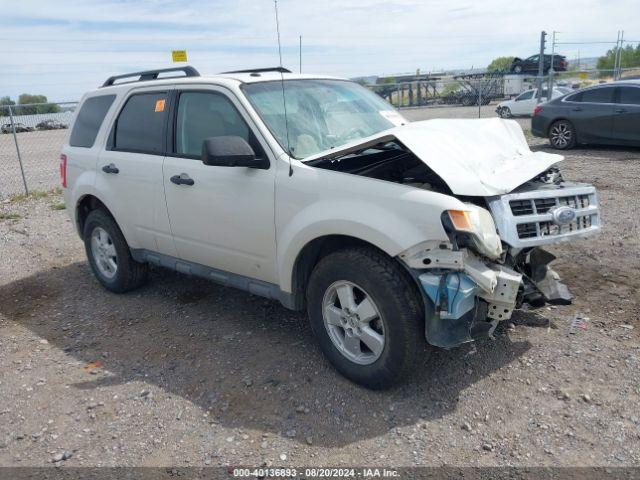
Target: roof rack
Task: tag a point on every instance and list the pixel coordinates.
(152, 75)
(260, 70)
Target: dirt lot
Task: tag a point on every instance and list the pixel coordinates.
(185, 372)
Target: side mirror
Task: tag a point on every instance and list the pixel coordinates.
(230, 151)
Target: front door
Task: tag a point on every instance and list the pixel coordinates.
(222, 217)
(525, 103)
(626, 115)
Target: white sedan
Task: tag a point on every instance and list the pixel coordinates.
(526, 102)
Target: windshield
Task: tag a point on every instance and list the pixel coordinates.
(321, 114)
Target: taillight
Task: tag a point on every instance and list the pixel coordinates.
(63, 170)
(536, 111)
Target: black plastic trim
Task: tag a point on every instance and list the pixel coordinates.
(151, 75)
(228, 279)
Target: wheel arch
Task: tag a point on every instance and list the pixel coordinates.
(85, 205)
(318, 248)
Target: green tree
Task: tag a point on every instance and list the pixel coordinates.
(500, 64)
(43, 107)
(6, 101)
(629, 58)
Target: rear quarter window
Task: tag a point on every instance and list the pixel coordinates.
(89, 119)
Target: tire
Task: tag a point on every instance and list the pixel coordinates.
(505, 112)
(562, 135)
(397, 316)
(109, 255)
(517, 69)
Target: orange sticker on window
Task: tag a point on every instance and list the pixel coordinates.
(160, 105)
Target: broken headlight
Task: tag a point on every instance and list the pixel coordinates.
(474, 228)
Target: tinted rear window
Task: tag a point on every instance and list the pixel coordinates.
(630, 95)
(140, 126)
(598, 95)
(89, 119)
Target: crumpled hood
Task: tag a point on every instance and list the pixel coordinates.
(475, 157)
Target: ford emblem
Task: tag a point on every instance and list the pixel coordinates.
(563, 215)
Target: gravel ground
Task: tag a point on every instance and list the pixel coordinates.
(185, 372)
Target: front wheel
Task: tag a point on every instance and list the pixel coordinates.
(505, 112)
(562, 135)
(366, 315)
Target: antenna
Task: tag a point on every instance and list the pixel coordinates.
(284, 101)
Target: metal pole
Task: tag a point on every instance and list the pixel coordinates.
(15, 139)
(615, 57)
(300, 49)
(479, 98)
(620, 56)
(543, 34)
(551, 70)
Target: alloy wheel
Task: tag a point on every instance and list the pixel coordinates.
(561, 135)
(353, 322)
(104, 252)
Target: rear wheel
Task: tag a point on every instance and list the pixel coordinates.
(109, 255)
(562, 135)
(366, 316)
(517, 69)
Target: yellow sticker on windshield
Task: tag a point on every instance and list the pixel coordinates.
(160, 105)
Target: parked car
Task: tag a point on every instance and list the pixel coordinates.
(526, 102)
(388, 233)
(606, 114)
(51, 125)
(530, 64)
(20, 127)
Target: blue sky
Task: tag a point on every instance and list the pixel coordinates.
(62, 48)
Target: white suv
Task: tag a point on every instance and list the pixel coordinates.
(387, 232)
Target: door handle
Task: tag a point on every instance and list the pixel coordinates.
(620, 110)
(577, 109)
(182, 179)
(111, 168)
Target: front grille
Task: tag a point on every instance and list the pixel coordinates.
(545, 229)
(543, 205)
(526, 218)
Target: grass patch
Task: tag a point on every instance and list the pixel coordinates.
(35, 194)
(58, 206)
(9, 216)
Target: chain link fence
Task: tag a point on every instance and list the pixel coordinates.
(31, 138)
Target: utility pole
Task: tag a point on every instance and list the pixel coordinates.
(551, 70)
(300, 50)
(543, 40)
(615, 57)
(619, 71)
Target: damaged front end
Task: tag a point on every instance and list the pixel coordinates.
(494, 262)
(470, 294)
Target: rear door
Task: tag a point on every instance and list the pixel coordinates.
(626, 118)
(129, 172)
(591, 112)
(225, 218)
